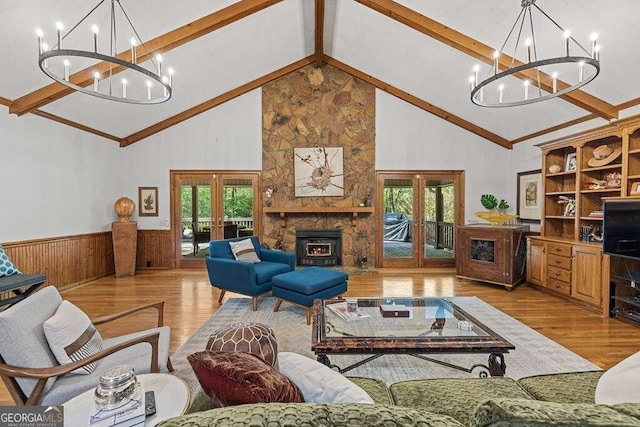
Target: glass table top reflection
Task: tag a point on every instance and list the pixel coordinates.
(398, 325)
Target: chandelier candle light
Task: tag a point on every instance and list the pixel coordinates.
(57, 63)
(498, 89)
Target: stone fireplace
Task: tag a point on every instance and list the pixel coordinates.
(319, 247)
(309, 108)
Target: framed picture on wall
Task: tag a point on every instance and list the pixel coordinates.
(318, 171)
(530, 196)
(147, 201)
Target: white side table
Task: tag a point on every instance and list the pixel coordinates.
(172, 399)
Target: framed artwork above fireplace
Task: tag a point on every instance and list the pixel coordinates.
(319, 171)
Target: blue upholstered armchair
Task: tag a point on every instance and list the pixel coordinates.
(244, 278)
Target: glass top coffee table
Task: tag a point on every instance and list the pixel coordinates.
(414, 326)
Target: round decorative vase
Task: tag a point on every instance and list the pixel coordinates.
(124, 207)
(554, 168)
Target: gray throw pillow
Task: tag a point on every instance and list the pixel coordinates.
(72, 337)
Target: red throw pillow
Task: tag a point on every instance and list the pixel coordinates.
(239, 378)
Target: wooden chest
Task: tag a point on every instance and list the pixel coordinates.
(494, 254)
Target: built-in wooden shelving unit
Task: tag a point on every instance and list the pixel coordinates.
(562, 259)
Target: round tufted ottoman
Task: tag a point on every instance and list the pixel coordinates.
(247, 337)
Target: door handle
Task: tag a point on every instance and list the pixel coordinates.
(220, 222)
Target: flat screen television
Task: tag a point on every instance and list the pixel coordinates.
(621, 228)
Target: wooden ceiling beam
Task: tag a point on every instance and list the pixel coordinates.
(76, 125)
(430, 108)
(555, 128)
(160, 44)
(631, 103)
(319, 33)
(7, 102)
(214, 102)
(620, 107)
(484, 53)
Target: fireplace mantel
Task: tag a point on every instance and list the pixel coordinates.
(293, 210)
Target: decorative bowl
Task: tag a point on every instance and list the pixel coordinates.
(495, 218)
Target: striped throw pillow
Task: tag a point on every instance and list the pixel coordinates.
(244, 251)
(72, 336)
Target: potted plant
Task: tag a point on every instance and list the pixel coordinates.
(497, 210)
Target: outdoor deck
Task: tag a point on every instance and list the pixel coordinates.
(404, 249)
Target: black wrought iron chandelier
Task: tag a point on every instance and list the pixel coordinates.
(137, 84)
(536, 79)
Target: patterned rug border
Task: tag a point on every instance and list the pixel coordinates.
(535, 354)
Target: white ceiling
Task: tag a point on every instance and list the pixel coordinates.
(354, 34)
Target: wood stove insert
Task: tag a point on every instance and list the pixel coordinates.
(322, 247)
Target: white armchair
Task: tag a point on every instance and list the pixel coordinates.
(30, 370)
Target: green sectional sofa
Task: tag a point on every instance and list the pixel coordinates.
(545, 400)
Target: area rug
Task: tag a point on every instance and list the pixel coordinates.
(534, 354)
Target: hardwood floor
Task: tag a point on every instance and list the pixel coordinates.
(190, 301)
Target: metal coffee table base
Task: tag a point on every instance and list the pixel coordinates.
(495, 367)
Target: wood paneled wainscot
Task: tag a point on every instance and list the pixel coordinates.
(67, 261)
(577, 271)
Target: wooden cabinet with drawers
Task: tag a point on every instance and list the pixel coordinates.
(574, 270)
(559, 267)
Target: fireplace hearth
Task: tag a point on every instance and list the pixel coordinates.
(319, 247)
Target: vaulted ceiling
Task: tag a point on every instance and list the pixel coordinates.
(421, 51)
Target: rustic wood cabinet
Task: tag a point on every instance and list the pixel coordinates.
(587, 274)
(536, 261)
(494, 254)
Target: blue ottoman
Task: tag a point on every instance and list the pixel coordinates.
(301, 287)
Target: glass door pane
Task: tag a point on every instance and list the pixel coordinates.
(438, 218)
(196, 217)
(209, 205)
(237, 204)
(420, 211)
(398, 213)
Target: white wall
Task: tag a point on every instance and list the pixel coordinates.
(56, 180)
(226, 137)
(62, 181)
(410, 138)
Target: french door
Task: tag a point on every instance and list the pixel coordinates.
(211, 205)
(419, 212)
